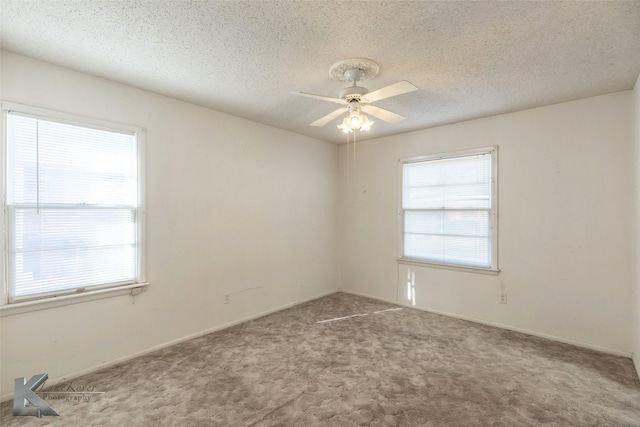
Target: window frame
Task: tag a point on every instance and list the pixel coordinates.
(493, 222)
(65, 297)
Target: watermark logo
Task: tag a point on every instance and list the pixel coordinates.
(28, 400)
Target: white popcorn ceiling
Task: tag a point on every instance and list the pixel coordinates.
(468, 59)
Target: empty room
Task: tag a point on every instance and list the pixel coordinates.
(320, 213)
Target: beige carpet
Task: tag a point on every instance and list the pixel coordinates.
(399, 367)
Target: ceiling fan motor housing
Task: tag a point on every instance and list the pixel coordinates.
(353, 106)
(352, 93)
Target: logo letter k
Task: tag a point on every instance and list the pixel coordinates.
(24, 394)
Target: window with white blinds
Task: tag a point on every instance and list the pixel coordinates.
(448, 209)
(72, 213)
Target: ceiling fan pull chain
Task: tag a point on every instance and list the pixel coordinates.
(348, 161)
(354, 151)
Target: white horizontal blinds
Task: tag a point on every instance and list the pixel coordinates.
(447, 210)
(72, 207)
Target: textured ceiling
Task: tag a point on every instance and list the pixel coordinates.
(468, 59)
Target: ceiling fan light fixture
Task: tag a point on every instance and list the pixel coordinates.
(355, 120)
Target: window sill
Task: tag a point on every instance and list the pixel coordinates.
(469, 269)
(46, 303)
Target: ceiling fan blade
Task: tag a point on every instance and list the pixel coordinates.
(382, 114)
(391, 90)
(326, 119)
(322, 98)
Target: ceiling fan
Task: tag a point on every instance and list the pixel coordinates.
(357, 99)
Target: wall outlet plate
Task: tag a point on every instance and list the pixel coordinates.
(503, 298)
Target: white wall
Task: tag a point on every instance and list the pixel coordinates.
(231, 205)
(636, 300)
(565, 215)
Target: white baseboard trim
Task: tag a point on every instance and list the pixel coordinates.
(503, 326)
(108, 364)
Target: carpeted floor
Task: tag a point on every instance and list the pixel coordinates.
(391, 367)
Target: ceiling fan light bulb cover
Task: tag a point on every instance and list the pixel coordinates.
(367, 124)
(344, 126)
(355, 120)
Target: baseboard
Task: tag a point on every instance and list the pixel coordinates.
(503, 326)
(107, 364)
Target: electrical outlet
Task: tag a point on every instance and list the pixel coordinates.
(226, 298)
(503, 298)
(136, 291)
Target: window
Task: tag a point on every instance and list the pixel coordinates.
(448, 209)
(73, 213)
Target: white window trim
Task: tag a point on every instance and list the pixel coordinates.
(401, 259)
(59, 301)
(65, 298)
